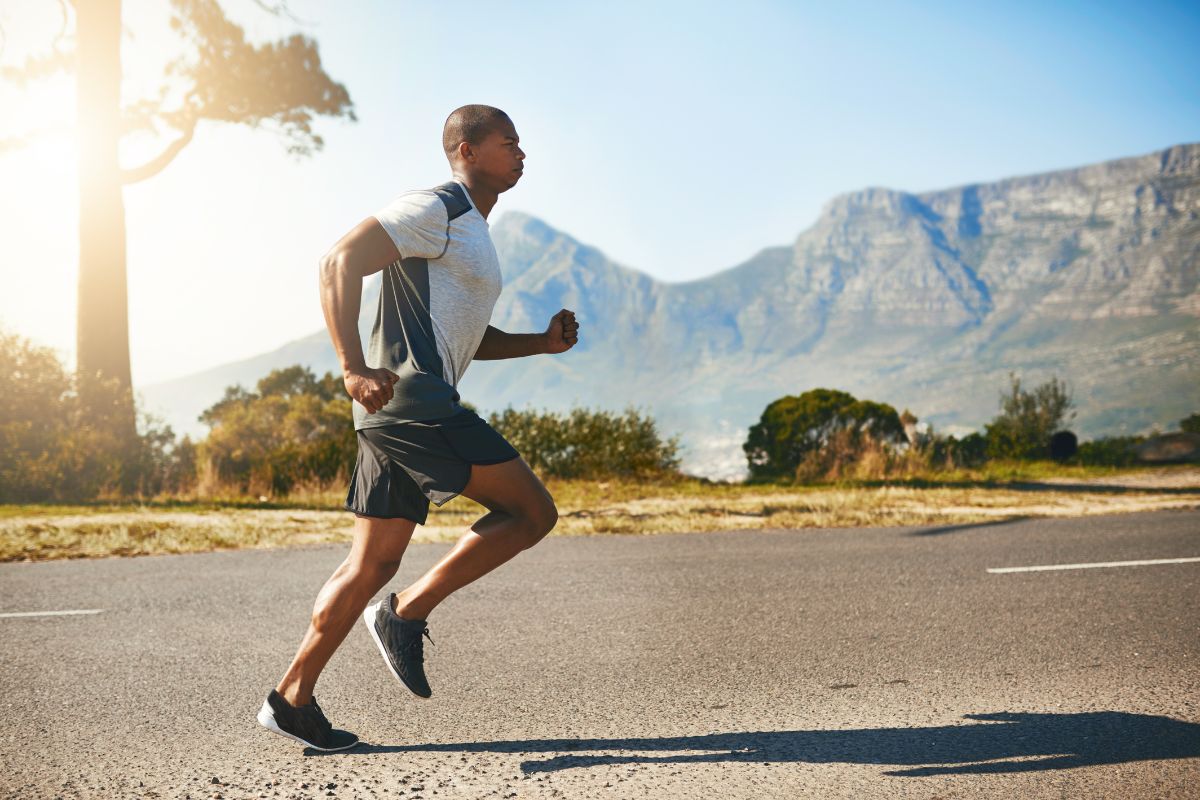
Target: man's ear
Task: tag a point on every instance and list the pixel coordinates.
(465, 152)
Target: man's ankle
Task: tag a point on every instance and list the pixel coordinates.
(293, 697)
(407, 611)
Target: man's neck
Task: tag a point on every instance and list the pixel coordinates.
(483, 199)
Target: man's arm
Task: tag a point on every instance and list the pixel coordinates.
(498, 344)
(363, 251)
(560, 335)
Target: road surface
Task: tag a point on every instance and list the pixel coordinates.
(790, 663)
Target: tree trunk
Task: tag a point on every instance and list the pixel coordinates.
(103, 316)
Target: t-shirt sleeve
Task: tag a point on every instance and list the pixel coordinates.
(417, 223)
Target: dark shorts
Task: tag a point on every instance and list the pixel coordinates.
(403, 466)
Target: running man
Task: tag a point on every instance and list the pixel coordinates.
(416, 443)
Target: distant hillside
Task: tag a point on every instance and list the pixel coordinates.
(919, 300)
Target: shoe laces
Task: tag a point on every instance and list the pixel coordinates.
(416, 646)
(319, 717)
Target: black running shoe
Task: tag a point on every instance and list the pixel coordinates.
(306, 724)
(399, 642)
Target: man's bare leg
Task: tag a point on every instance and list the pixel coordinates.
(374, 558)
(521, 512)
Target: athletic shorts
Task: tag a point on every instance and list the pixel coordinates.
(403, 466)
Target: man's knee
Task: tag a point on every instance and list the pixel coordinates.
(359, 577)
(374, 572)
(368, 574)
(540, 519)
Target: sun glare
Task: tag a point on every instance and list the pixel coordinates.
(39, 151)
(37, 117)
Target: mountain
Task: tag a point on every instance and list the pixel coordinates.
(923, 301)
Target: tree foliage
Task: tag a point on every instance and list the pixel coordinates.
(950, 452)
(222, 77)
(293, 428)
(589, 444)
(1190, 423)
(1109, 451)
(815, 423)
(217, 75)
(52, 450)
(1028, 419)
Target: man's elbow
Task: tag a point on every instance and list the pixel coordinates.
(331, 266)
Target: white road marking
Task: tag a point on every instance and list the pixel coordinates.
(50, 613)
(1094, 565)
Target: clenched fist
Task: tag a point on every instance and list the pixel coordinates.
(563, 332)
(371, 387)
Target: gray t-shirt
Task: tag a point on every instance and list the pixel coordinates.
(434, 303)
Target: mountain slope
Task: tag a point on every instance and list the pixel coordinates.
(921, 300)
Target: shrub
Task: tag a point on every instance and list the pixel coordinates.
(52, 450)
(949, 452)
(1063, 445)
(1028, 419)
(850, 454)
(818, 431)
(589, 444)
(294, 428)
(1109, 451)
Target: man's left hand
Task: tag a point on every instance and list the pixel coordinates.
(563, 332)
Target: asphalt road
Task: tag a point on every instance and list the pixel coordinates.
(815, 663)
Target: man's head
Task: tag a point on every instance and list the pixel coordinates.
(481, 143)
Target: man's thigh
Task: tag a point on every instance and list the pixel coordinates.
(510, 486)
(380, 541)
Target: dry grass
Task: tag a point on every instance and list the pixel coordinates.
(595, 507)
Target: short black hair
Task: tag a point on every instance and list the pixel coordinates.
(470, 124)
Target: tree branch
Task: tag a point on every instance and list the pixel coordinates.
(41, 66)
(159, 162)
(280, 9)
(58, 59)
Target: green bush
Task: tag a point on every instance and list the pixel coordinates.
(949, 452)
(1190, 424)
(589, 444)
(819, 429)
(1028, 419)
(293, 429)
(1108, 451)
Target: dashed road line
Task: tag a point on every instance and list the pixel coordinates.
(50, 613)
(1095, 565)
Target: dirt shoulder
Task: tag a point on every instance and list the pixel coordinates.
(592, 508)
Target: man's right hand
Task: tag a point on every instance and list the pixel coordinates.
(371, 387)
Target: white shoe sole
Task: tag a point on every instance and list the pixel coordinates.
(266, 718)
(368, 617)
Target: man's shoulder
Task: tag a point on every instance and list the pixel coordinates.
(453, 197)
(449, 196)
(418, 197)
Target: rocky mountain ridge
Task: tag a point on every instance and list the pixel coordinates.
(920, 300)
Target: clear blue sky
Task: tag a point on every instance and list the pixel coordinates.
(678, 137)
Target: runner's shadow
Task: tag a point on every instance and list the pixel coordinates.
(998, 743)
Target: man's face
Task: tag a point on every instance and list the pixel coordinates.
(500, 157)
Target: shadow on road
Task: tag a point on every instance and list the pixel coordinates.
(999, 743)
(1097, 488)
(967, 526)
(1032, 486)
